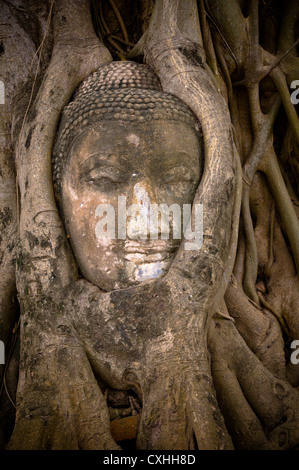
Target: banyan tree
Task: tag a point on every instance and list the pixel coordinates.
(152, 338)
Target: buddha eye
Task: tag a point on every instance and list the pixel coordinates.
(178, 179)
(177, 175)
(104, 177)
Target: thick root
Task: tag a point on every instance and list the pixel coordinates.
(268, 405)
(180, 412)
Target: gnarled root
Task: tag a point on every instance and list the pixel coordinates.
(59, 402)
(260, 330)
(259, 408)
(180, 411)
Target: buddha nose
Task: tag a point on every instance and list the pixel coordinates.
(143, 193)
(138, 213)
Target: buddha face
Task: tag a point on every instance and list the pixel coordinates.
(147, 163)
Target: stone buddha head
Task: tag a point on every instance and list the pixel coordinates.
(122, 139)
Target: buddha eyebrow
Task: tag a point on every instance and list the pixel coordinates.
(185, 154)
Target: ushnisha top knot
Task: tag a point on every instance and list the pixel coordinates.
(123, 90)
(123, 74)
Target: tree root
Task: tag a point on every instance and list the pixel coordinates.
(267, 416)
(176, 409)
(260, 330)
